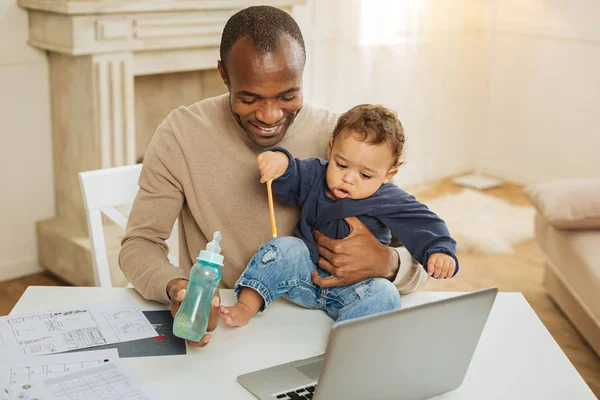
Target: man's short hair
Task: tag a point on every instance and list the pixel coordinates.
(265, 25)
(375, 125)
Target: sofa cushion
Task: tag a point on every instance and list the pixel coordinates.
(575, 258)
(568, 204)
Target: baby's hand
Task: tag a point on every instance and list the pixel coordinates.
(272, 164)
(441, 266)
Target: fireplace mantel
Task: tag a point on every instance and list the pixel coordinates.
(75, 7)
(105, 57)
(167, 28)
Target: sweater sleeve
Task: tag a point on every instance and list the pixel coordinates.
(411, 275)
(420, 230)
(295, 184)
(143, 256)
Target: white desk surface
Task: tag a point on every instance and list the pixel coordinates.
(516, 357)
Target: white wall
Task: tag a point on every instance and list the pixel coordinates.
(544, 95)
(26, 178)
(434, 75)
(507, 87)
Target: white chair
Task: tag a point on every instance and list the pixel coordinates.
(103, 190)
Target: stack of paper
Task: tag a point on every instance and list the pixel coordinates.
(95, 374)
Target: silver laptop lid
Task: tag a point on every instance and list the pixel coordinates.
(412, 353)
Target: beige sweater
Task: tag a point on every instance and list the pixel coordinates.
(201, 167)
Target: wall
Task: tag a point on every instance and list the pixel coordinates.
(433, 73)
(544, 95)
(26, 179)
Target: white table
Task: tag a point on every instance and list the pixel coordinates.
(516, 357)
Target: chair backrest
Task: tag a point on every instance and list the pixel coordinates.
(103, 191)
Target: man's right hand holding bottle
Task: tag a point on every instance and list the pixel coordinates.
(176, 290)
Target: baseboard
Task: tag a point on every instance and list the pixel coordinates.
(419, 184)
(510, 175)
(18, 268)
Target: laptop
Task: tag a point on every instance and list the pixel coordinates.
(412, 353)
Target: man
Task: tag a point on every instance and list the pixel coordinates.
(201, 167)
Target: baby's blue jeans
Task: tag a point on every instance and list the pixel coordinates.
(282, 267)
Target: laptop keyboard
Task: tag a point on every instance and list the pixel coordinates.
(297, 394)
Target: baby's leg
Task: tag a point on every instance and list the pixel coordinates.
(371, 296)
(274, 271)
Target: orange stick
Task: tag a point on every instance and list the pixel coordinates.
(271, 209)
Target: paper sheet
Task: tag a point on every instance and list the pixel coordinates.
(32, 391)
(111, 381)
(24, 370)
(165, 344)
(74, 328)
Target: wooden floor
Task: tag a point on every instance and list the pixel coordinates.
(518, 272)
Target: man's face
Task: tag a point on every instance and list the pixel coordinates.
(265, 90)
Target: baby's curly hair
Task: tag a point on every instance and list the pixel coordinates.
(376, 124)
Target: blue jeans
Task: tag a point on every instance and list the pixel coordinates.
(282, 267)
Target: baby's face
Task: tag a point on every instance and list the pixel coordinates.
(356, 168)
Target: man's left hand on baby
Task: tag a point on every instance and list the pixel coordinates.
(441, 266)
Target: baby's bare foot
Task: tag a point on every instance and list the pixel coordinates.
(238, 315)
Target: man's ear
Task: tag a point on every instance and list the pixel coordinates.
(223, 73)
(329, 147)
(390, 174)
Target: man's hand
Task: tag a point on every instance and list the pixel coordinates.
(176, 290)
(272, 164)
(355, 258)
(441, 266)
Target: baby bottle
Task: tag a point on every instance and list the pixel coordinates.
(192, 317)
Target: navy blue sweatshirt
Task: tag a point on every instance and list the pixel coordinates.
(388, 211)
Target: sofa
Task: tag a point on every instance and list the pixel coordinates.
(567, 230)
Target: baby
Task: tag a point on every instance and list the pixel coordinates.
(364, 154)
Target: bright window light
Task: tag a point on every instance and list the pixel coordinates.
(388, 21)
